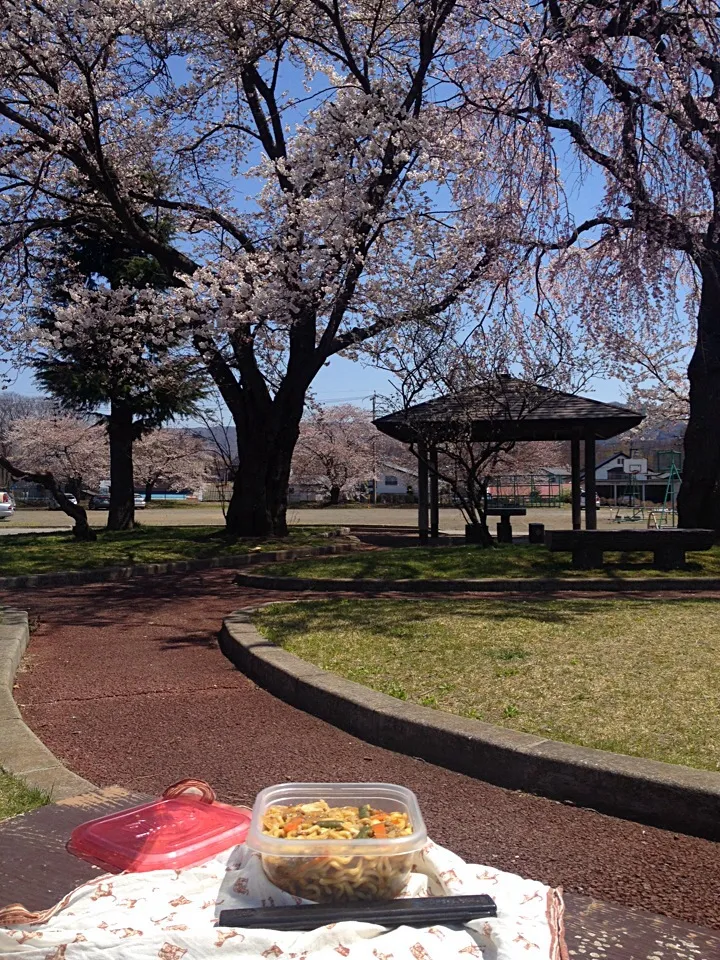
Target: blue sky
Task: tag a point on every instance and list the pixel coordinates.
(349, 381)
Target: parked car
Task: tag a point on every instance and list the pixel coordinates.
(582, 501)
(7, 505)
(54, 505)
(101, 501)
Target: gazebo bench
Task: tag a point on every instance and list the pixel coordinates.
(667, 546)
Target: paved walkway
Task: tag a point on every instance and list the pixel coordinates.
(126, 684)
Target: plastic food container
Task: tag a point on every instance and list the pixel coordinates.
(338, 870)
(186, 826)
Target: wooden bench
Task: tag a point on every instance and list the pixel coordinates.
(504, 528)
(667, 546)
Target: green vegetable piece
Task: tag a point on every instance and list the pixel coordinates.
(330, 824)
(364, 811)
(364, 832)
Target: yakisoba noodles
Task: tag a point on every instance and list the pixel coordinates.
(355, 877)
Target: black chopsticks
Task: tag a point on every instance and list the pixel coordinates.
(412, 912)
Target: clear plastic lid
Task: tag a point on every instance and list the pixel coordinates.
(186, 826)
(383, 796)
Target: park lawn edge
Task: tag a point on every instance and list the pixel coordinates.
(604, 707)
(31, 554)
(16, 796)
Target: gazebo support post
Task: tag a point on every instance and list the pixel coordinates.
(590, 488)
(434, 495)
(423, 492)
(575, 483)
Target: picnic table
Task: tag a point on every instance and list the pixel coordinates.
(504, 528)
(667, 546)
(37, 871)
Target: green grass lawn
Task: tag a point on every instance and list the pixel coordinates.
(516, 561)
(16, 797)
(640, 677)
(27, 553)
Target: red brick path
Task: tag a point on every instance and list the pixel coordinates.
(125, 683)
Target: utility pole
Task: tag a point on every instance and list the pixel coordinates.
(374, 456)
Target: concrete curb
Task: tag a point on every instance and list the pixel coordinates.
(114, 574)
(21, 752)
(261, 581)
(660, 794)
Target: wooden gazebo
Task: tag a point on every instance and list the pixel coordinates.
(507, 409)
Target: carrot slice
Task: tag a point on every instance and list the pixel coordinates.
(379, 830)
(293, 825)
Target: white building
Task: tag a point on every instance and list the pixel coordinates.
(621, 476)
(395, 480)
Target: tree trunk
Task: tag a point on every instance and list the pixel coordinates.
(122, 489)
(334, 495)
(479, 533)
(258, 505)
(149, 491)
(82, 529)
(699, 497)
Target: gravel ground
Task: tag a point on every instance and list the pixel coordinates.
(125, 683)
(451, 520)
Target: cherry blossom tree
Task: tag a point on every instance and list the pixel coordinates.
(17, 406)
(530, 456)
(74, 450)
(59, 452)
(628, 90)
(314, 156)
(335, 449)
(178, 459)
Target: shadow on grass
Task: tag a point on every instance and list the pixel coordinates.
(515, 561)
(400, 618)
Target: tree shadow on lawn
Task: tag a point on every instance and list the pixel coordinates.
(515, 561)
(398, 617)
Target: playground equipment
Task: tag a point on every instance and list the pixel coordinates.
(666, 516)
(633, 493)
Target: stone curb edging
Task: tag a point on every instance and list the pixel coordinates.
(21, 752)
(659, 794)
(112, 574)
(261, 581)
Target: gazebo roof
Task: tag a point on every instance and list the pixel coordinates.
(509, 409)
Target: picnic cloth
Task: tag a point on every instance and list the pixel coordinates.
(172, 914)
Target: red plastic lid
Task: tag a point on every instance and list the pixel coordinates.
(179, 830)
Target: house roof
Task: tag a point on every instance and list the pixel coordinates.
(508, 409)
(386, 465)
(555, 471)
(620, 453)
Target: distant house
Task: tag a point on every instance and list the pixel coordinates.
(394, 480)
(554, 474)
(306, 492)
